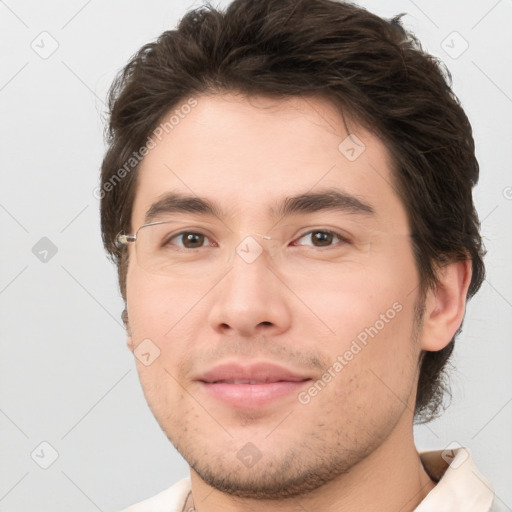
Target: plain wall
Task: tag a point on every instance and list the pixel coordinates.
(66, 376)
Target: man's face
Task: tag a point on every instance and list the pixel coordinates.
(335, 311)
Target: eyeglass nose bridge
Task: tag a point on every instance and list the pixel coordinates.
(266, 237)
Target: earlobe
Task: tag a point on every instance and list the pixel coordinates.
(445, 305)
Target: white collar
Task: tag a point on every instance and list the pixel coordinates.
(460, 485)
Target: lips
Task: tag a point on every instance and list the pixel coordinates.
(259, 373)
(251, 386)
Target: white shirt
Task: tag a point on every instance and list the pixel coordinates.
(460, 488)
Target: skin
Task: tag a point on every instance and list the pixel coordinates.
(351, 447)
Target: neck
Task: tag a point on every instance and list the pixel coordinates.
(389, 479)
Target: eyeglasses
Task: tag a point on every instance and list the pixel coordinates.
(179, 249)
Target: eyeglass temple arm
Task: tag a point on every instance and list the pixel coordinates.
(126, 239)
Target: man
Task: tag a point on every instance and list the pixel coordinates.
(287, 194)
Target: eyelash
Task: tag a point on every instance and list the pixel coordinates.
(342, 238)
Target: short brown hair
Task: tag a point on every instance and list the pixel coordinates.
(370, 68)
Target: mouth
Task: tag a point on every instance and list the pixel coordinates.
(245, 394)
(251, 387)
(252, 381)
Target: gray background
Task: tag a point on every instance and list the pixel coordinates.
(66, 376)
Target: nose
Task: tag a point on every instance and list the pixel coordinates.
(250, 299)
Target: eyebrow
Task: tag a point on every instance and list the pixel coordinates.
(328, 200)
(174, 202)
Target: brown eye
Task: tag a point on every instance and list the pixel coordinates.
(321, 238)
(189, 240)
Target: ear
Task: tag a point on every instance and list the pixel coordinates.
(445, 305)
(129, 340)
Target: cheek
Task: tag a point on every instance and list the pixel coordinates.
(370, 376)
(350, 300)
(163, 321)
(157, 308)
(366, 329)
(154, 313)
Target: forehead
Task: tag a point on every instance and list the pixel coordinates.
(246, 155)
